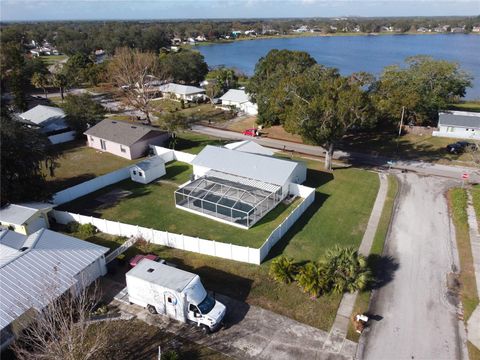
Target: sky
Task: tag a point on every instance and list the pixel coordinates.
(28, 10)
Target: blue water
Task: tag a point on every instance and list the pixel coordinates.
(356, 53)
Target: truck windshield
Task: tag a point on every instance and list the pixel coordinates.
(206, 305)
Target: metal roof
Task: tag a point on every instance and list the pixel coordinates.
(250, 147)
(162, 275)
(17, 214)
(235, 95)
(150, 163)
(42, 272)
(49, 118)
(257, 167)
(180, 89)
(242, 180)
(121, 132)
(461, 119)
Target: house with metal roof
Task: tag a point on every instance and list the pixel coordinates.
(240, 100)
(237, 187)
(25, 218)
(459, 124)
(36, 269)
(250, 147)
(184, 92)
(148, 170)
(127, 140)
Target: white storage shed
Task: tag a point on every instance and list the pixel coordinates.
(459, 124)
(148, 170)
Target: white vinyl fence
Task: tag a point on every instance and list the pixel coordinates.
(195, 244)
(308, 195)
(89, 186)
(169, 155)
(63, 137)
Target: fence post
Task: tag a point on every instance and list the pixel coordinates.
(153, 236)
(183, 242)
(214, 248)
(248, 254)
(106, 225)
(167, 237)
(231, 251)
(119, 229)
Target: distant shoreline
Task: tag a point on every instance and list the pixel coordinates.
(308, 34)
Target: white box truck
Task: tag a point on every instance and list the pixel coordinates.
(163, 289)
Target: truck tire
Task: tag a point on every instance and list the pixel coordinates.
(151, 309)
(206, 329)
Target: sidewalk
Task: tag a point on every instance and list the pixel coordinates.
(473, 325)
(339, 329)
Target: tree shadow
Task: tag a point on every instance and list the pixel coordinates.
(317, 178)
(185, 144)
(55, 185)
(383, 270)
(174, 170)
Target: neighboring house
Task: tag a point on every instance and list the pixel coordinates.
(25, 218)
(459, 124)
(148, 170)
(250, 147)
(240, 100)
(124, 139)
(185, 92)
(476, 29)
(236, 187)
(50, 121)
(457, 30)
(36, 269)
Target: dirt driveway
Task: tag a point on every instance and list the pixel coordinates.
(419, 316)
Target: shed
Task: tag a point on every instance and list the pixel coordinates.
(459, 124)
(148, 170)
(36, 269)
(25, 218)
(239, 99)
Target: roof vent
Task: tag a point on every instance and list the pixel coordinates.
(24, 248)
(150, 270)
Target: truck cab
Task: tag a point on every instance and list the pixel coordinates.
(209, 313)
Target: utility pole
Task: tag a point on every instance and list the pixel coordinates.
(401, 121)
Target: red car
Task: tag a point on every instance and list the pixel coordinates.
(250, 132)
(136, 259)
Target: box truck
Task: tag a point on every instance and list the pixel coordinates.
(163, 289)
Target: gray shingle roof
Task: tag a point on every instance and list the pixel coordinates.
(180, 89)
(459, 119)
(42, 272)
(121, 132)
(257, 167)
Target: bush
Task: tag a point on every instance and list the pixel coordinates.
(87, 230)
(283, 269)
(313, 279)
(170, 355)
(72, 226)
(182, 103)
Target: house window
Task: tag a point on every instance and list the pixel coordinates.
(134, 173)
(103, 144)
(122, 149)
(140, 173)
(92, 139)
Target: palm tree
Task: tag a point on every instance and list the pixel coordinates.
(348, 269)
(313, 278)
(283, 269)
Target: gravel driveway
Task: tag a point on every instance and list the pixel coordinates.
(416, 318)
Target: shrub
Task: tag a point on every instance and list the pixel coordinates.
(170, 355)
(182, 103)
(283, 269)
(313, 279)
(87, 230)
(72, 226)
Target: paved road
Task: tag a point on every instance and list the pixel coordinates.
(419, 317)
(251, 332)
(425, 168)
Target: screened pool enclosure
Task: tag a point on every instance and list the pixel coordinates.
(233, 199)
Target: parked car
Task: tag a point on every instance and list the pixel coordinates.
(136, 259)
(250, 132)
(460, 147)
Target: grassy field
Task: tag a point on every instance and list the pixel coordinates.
(78, 163)
(458, 206)
(339, 216)
(52, 59)
(206, 113)
(466, 106)
(363, 298)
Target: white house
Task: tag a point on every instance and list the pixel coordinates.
(148, 170)
(250, 147)
(236, 187)
(25, 218)
(185, 92)
(50, 121)
(239, 99)
(459, 124)
(36, 269)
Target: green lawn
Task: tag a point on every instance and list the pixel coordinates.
(78, 163)
(52, 59)
(466, 106)
(153, 206)
(363, 299)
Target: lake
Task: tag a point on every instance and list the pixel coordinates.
(355, 53)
